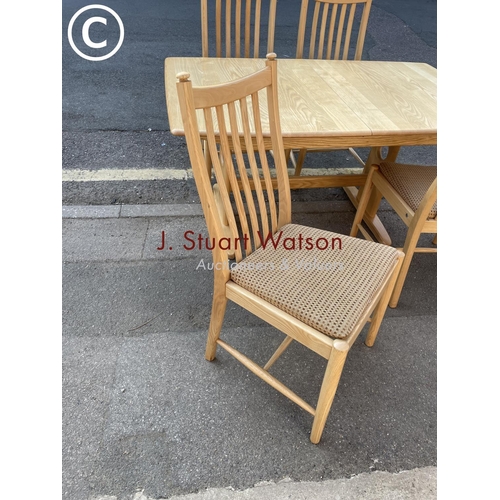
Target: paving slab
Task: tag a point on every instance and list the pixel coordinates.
(103, 239)
(417, 484)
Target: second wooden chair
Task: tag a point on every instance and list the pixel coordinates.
(411, 190)
(331, 37)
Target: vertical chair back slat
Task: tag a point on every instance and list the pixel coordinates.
(347, 40)
(204, 27)
(302, 29)
(323, 28)
(248, 11)
(253, 166)
(333, 20)
(256, 36)
(340, 31)
(313, 30)
(270, 28)
(233, 27)
(237, 28)
(331, 32)
(228, 28)
(362, 31)
(218, 33)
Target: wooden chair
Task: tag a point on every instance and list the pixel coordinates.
(237, 32)
(233, 31)
(323, 310)
(411, 190)
(330, 38)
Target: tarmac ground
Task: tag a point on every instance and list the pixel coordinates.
(143, 410)
(145, 417)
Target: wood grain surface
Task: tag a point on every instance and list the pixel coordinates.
(327, 103)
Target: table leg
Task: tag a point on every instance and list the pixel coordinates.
(370, 217)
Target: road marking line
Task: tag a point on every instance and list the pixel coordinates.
(126, 174)
(151, 174)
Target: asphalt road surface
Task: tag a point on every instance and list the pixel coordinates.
(114, 112)
(144, 415)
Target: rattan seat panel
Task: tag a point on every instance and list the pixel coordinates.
(411, 182)
(333, 292)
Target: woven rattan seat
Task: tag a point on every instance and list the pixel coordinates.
(411, 182)
(327, 289)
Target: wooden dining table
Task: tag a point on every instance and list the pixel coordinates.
(332, 105)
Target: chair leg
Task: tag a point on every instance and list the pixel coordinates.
(219, 303)
(435, 240)
(329, 387)
(300, 161)
(379, 313)
(401, 279)
(363, 202)
(409, 250)
(356, 156)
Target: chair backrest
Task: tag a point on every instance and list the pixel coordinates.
(233, 27)
(427, 208)
(330, 36)
(231, 116)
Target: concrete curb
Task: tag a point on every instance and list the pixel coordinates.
(120, 211)
(182, 210)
